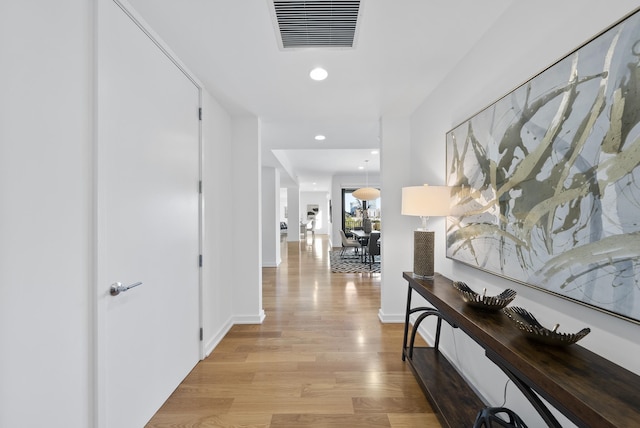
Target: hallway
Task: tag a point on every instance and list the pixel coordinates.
(320, 359)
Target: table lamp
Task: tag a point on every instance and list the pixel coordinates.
(425, 201)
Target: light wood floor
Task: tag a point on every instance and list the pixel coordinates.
(321, 358)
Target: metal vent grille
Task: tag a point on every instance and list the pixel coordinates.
(317, 23)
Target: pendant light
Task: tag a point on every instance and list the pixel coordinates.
(366, 193)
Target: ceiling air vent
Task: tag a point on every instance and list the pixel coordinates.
(316, 24)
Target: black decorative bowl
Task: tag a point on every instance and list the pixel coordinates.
(528, 324)
(481, 301)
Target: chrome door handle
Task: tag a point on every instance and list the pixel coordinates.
(117, 287)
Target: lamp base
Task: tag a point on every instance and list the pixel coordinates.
(423, 249)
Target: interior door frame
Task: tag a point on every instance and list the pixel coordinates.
(99, 386)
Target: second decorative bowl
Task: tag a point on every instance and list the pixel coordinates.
(481, 301)
(528, 324)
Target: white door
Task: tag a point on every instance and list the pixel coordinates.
(147, 222)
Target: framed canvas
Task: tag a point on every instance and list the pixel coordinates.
(547, 178)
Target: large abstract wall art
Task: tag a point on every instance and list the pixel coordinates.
(547, 179)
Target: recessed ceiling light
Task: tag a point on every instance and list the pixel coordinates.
(360, 167)
(320, 137)
(318, 73)
(374, 152)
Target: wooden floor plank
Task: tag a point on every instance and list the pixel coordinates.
(275, 404)
(321, 358)
(322, 420)
(410, 420)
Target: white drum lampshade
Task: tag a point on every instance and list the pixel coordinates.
(366, 194)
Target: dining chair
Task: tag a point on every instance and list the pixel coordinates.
(311, 227)
(373, 249)
(349, 243)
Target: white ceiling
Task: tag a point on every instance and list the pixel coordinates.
(403, 49)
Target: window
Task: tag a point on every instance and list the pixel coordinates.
(352, 212)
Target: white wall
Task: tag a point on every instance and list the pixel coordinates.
(509, 54)
(283, 205)
(270, 217)
(217, 274)
(46, 256)
(293, 208)
(322, 200)
(246, 245)
(397, 229)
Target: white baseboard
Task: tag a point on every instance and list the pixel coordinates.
(217, 338)
(219, 335)
(250, 319)
(390, 318)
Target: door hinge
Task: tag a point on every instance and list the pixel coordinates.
(201, 334)
(200, 260)
(200, 113)
(200, 186)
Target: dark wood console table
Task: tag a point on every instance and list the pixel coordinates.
(588, 389)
